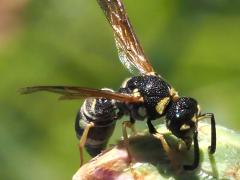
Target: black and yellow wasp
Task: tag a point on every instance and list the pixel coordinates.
(144, 96)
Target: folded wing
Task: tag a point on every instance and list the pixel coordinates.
(129, 49)
(73, 92)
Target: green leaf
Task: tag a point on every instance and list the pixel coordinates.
(151, 161)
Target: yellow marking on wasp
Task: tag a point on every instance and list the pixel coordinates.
(151, 74)
(174, 94)
(161, 105)
(124, 84)
(93, 105)
(137, 94)
(135, 90)
(184, 127)
(195, 118)
(85, 109)
(199, 109)
(84, 106)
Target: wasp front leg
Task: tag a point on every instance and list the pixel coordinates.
(153, 131)
(170, 153)
(195, 163)
(211, 148)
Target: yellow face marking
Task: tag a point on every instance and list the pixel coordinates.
(161, 105)
(184, 127)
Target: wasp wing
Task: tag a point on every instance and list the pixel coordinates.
(72, 92)
(129, 49)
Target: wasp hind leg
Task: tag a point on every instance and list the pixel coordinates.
(171, 154)
(153, 131)
(83, 140)
(130, 125)
(125, 125)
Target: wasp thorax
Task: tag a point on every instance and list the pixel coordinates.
(153, 90)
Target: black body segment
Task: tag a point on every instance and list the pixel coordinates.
(102, 112)
(152, 88)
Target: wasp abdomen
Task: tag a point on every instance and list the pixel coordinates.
(101, 112)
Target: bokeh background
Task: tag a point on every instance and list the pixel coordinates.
(195, 45)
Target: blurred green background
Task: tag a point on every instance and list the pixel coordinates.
(195, 45)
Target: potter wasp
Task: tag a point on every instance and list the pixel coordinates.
(144, 96)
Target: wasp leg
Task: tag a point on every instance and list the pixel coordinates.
(196, 153)
(132, 126)
(171, 154)
(83, 140)
(151, 128)
(125, 125)
(212, 148)
(153, 131)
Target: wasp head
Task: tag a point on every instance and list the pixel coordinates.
(181, 118)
